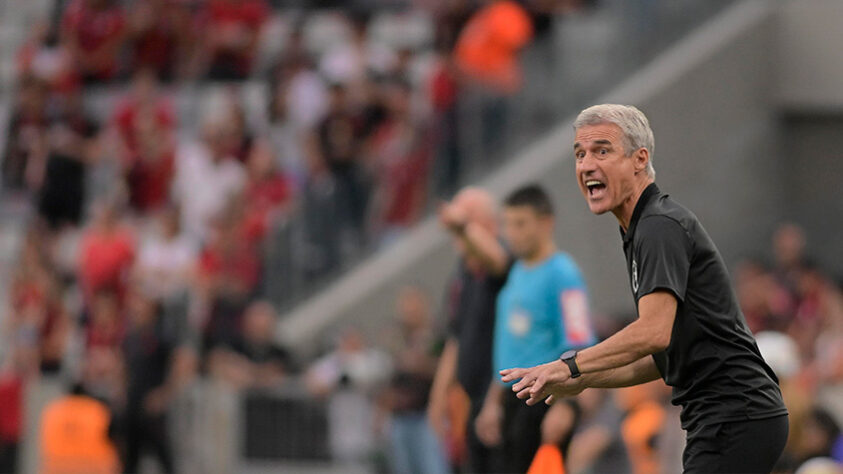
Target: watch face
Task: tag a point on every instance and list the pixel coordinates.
(568, 355)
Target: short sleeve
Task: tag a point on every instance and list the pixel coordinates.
(573, 305)
(663, 257)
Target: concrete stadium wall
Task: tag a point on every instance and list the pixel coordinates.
(809, 58)
(813, 162)
(709, 102)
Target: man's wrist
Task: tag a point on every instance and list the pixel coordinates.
(569, 359)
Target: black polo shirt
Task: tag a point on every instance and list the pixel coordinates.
(471, 307)
(712, 362)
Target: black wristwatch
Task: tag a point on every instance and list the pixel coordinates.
(570, 359)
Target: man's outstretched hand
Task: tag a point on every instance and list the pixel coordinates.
(548, 382)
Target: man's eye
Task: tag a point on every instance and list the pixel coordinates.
(603, 151)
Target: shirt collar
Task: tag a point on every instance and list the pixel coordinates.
(646, 196)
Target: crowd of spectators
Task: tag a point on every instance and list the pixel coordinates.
(152, 255)
(188, 162)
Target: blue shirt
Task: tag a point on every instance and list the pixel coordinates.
(542, 311)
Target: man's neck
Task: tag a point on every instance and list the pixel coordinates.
(546, 249)
(623, 213)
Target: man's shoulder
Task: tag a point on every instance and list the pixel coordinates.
(661, 215)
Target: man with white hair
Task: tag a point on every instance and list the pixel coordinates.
(690, 330)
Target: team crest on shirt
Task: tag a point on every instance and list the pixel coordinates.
(634, 276)
(519, 322)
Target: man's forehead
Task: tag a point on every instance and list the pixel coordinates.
(599, 134)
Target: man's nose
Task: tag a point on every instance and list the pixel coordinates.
(587, 163)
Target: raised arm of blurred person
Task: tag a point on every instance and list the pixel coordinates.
(445, 377)
(477, 240)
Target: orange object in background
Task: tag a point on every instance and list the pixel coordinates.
(643, 423)
(458, 413)
(487, 48)
(74, 438)
(548, 460)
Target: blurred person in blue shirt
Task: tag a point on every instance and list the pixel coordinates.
(542, 312)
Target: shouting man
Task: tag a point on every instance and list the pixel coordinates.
(690, 330)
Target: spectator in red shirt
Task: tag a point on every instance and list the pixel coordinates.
(232, 29)
(94, 31)
(107, 252)
(268, 191)
(11, 412)
(144, 100)
(145, 122)
(160, 34)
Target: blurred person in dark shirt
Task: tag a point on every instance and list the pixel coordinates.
(71, 141)
(26, 145)
(339, 146)
(94, 31)
(471, 218)
(415, 448)
(443, 92)
(253, 360)
(155, 372)
(400, 154)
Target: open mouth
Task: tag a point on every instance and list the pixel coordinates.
(595, 187)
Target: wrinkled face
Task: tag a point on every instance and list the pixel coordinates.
(524, 229)
(605, 174)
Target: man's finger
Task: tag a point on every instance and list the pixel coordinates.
(549, 400)
(525, 382)
(508, 375)
(523, 394)
(536, 398)
(538, 385)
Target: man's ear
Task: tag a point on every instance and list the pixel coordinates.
(642, 159)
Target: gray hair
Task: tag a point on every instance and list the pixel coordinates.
(632, 122)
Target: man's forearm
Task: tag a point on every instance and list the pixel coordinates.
(649, 334)
(641, 371)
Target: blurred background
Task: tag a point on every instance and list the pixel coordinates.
(215, 215)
